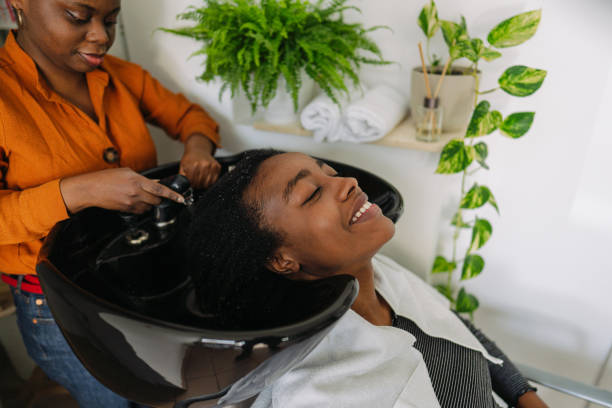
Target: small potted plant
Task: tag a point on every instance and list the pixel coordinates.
(270, 48)
(459, 91)
(457, 94)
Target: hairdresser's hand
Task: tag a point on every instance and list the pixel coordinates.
(198, 163)
(530, 400)
(114, 189)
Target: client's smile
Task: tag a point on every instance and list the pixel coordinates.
(362, 210)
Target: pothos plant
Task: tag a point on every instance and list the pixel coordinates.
(469, 154)
(248, 44)
(456, 37)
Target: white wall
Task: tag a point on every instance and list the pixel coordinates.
(545, 289)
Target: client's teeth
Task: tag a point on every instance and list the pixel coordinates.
(365, 207)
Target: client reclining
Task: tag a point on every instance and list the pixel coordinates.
(286, 216)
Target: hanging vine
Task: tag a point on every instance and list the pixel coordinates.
(467, 157)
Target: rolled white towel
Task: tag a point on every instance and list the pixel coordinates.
(373, 116)
(321, 116)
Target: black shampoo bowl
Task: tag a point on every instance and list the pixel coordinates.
(127, 308)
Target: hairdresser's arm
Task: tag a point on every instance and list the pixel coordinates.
(507, 380)
(182, 120)
(28, 214)
(114, 189)
(198, 163)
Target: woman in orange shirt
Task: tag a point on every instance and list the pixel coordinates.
(73, 135)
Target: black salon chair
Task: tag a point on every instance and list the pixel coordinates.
(117, 289)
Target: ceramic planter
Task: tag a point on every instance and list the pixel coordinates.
(280, 109)
(456, 96)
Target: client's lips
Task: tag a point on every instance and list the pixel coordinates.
(360, 200)
(94, 60)
(369, 212)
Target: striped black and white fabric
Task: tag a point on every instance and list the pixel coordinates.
(460, 376)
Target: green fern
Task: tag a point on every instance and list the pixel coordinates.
(249, 43)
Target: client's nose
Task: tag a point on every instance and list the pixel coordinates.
(348, 187)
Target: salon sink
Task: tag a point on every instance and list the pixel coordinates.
(117, 287)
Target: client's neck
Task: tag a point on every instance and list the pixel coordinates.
(369, 304)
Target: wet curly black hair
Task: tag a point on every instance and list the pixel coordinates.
(231, 280)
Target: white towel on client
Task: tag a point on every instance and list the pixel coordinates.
(374, 115)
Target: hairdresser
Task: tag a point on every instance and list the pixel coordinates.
(73, 135)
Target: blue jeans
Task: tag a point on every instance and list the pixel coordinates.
(48, 348)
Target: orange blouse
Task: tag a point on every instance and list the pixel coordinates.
(44, 138)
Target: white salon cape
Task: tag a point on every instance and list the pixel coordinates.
(357, 364)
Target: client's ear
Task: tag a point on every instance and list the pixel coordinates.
(283, 264)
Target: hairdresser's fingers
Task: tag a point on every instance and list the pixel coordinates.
(215, 172)
(149, 199)
(212, 174)
(186, 169)
(211, 178)
(206, 182)
(201, 171)
(193, 173)
(160, 190)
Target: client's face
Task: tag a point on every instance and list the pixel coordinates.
(327, 223)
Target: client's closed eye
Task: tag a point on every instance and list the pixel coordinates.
(313, 195)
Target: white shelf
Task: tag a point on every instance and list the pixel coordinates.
(402, 136)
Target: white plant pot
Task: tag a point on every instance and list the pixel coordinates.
(456, 96)
(280, 109)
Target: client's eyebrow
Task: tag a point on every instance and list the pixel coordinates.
(301, 174)
(291, 184)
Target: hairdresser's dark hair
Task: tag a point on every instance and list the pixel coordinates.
(227, 246)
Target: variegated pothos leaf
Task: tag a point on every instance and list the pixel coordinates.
(520, 80)
(517, 124)
(473, 264)
(466, 303)
(515, 30)
(483, 121)
(441, 265)
(489, 54)
(481, 150)
(428, 19)
(476, 197)
(481, 232)
(455, 157)
(452, 32)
